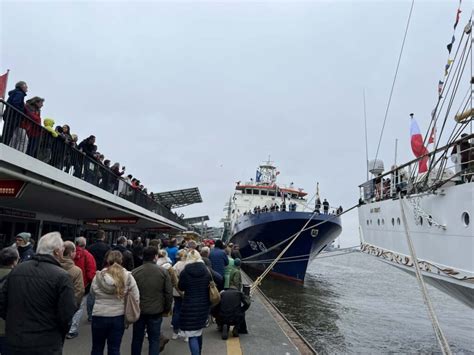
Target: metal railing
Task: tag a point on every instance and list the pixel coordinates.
(404, 179)
(25, 135)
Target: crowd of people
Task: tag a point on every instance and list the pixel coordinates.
(274, 207)
(26, 136)
(44, 293)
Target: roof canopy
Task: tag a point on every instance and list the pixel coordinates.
(194, 220)
(179, 198)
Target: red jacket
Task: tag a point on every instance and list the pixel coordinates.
(86, 262)
(32, 130)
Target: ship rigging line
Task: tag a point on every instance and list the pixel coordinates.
(443, 342)
(259, 279)
(395, 78)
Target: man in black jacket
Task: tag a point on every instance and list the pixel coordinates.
(99, 249)
(127, 256)
(37, 301)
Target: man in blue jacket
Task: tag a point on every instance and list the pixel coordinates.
(219, 258)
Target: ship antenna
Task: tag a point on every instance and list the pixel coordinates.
(366, 144)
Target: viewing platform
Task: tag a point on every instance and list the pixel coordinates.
(47, 184)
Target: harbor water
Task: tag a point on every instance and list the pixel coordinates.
(355, 303)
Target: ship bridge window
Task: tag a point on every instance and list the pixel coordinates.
(255, 192)
(248, 191)
(264, 192)
(271, 193)
(294, 195)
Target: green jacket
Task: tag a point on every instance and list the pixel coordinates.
(227, 272)
(154, 284)
(235, 278)
(4, 271)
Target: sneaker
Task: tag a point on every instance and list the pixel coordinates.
(174, 336)
(71, 335)
(186, 339)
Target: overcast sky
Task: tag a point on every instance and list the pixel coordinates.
(191, 94)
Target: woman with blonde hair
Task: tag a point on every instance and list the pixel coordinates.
(110, 287)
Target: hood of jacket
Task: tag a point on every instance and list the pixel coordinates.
(23, 248)
(67, 264)
(197, 269)
(105, 282)
(48, 122)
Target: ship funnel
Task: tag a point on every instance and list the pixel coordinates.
(376, 166)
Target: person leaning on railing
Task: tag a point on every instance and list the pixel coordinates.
(33, 129)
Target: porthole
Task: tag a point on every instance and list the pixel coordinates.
(421, 220)
(370, 222)
(393, 221)
(398, 220)
(429, 220)
(466, 218)
(378, 221)
(367, 222)
(383, 221)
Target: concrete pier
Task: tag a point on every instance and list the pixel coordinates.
(267, 335)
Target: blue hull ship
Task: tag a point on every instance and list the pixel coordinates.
(263, 236)
(263, 218)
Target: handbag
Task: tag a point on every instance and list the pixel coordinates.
(132, 306)
(214, 295)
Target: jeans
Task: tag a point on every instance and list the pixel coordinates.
(108, 329)
(3, 345)
(90, 305)
(152, 323)
(178, 301)
(76, 320)
(195, 345)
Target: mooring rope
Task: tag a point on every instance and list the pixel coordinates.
(259, 279)
(443, 343)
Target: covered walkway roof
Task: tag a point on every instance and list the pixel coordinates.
(194, 220)
(179, 198)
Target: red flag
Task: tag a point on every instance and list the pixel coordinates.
(417, 146)
(432, 135)
(3, 84)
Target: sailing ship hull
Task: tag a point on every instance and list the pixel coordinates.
(443, 244)
(263, 236)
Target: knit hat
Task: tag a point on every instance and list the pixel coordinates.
(237, 262)
(25, 236)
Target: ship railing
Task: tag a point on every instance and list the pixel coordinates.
(25, 135)
(445, 168)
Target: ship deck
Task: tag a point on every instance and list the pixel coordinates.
(269, 333)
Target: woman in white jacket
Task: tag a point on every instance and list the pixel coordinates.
(108, 321)
(177, 294)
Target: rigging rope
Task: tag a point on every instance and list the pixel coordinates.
(395, 78)
(259, 279)
(443, 343)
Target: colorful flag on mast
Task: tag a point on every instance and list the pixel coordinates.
(432, 138)
(417, 146)
(3, 84)
(457, 17)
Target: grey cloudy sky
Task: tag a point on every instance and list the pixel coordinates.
(199, 93)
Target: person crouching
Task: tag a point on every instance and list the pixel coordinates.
(232, 312)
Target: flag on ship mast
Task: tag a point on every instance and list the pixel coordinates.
(417, 146)
(3, 84)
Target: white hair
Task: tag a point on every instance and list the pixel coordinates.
(50, 242)
(205, 251)
(81, 241)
